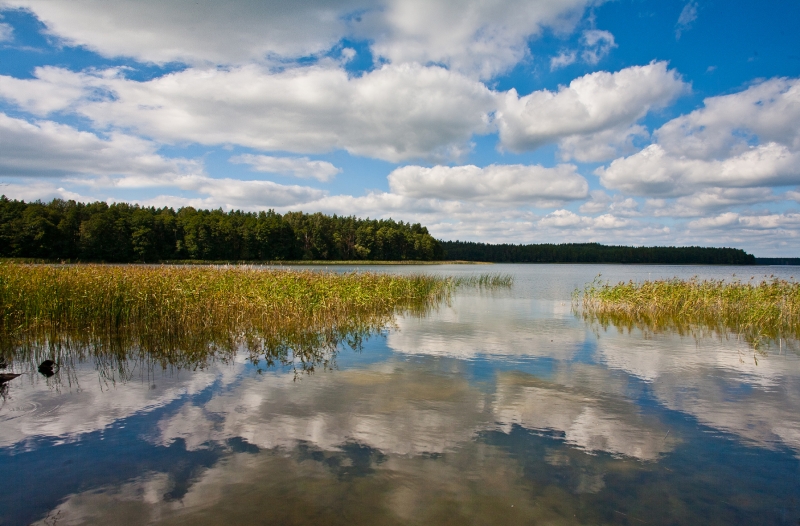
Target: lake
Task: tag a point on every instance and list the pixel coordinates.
(500, 407)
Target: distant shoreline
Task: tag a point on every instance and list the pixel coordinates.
(367, 263)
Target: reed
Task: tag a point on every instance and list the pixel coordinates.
(184, 316)
(489, 281)
(760, 312)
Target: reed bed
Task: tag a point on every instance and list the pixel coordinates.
(184, 316)
(488, 281)
(759, 312)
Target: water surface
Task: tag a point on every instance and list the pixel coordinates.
(501, 407)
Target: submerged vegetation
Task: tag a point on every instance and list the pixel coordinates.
(760, 312)
(185, 316)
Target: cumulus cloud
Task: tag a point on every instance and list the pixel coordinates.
(598, 202)
(769, 233)
(46, 148)
(495, 183)
(227, 193)
(236, 193)
(52, 90)
(196, 31)
(710, 200)
(654, 172)
(302, 167)
(566, 219)
(728, 154)
(735, 221)
(603, 145)
(730, 124)
(393, 113)
(480, 37)
(78, 158)
(43, 190)
(590, 104)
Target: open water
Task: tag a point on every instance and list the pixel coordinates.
(502, 407)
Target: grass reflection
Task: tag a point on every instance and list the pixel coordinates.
(759, 312)
(186, 317)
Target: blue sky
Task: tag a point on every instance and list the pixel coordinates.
(624, 122)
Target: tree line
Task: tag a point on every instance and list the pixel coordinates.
(121, 232)
(594, 253)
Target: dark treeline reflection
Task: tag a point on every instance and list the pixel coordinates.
(126, 233)
(594, 253)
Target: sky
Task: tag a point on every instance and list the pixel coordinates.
(636, 122)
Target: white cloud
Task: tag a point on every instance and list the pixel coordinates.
(563, 59)
(597, 44)
(42, 190)
(590, 104)
(654, 172)
(393, 113)
(479, 37)
(302, 167)
(196, 31)
(566, 219)
(6, 32)
(764, 233)
(598, 202)
(685, 19)
(52, 90)
(224, 192)
(729, 124)
(723, 220)
(603, 145)
(730, 153)
(710, 200)
(734, 221)
(47, 148)
(235, 193)
(495, 183)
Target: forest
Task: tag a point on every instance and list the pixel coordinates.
(120, 232)
(594, 253)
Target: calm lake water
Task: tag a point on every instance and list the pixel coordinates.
(502, 407)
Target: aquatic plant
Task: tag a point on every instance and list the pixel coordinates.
(760, 312)
(185, 316)
(491, 281)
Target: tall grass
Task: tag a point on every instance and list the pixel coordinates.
(759, 312)
(490, 281)
(186, 316)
